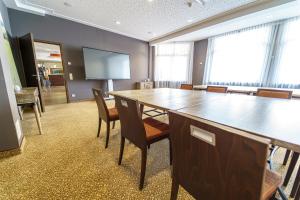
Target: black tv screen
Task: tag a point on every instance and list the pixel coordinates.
(106, 65)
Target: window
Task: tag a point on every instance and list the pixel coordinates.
(287, 62)
(173, 63)
(239, 58)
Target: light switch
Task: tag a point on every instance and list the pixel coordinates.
(71, 76)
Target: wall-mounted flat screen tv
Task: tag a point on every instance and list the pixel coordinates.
(105, 65)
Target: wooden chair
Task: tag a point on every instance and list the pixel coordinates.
(218, 89)
(272, 93)
(211, 161)
(283, 94)
(138, 131)
(106, 114)
(186, 86)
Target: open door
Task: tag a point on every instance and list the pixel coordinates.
(30, 66)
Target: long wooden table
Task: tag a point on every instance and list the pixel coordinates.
(248, 90)
(276, 119)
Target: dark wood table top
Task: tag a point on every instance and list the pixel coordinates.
(166, 98)
(276, 119)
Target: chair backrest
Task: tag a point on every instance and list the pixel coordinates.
(274, 93)
(132, 126)
(186, 86)
(102, 108)
(216, 162)
(218, 89)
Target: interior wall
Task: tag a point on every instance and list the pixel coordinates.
(9, 123)
(200, 50)
(73, 37)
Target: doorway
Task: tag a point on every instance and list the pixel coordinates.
(51, 72)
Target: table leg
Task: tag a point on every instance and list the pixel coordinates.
(20, 112)
(39, 106)
(142, 108)
(37, 116)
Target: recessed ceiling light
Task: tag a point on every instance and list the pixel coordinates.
(190, 20)
(67, 4)
(150, 0)
(118, 22)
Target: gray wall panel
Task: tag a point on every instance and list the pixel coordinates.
(74, 36)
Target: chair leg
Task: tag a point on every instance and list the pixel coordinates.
(291, 167)
(297, 197)
(174, 190)
(114, 123)
(121, 150)
(99, 127)
(143, 167)
(296, 184)
(148, 146)
(142, 108)
(107, 134)
(286, 157)
(170, 151)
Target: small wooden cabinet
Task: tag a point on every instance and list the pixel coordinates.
(144, 85)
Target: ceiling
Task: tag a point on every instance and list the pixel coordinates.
(284, 11)
(141, 19)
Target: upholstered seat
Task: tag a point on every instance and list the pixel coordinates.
(271, 183)
(155, 129)
(113, 114)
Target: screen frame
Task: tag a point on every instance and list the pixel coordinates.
(129, 56)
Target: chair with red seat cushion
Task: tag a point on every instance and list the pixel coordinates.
(106, 114)
(138, 131)
(211, 161)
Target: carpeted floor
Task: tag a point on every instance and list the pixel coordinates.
(69, 162)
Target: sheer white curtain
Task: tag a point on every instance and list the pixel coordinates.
(173, 64)
(239, 58)
(286, 72)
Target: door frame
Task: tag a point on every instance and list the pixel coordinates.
(25, 37)
(62, 62)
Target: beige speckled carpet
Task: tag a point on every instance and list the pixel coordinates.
(69, 162)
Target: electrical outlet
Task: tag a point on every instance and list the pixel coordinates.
(73, 95)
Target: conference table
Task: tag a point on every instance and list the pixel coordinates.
(275, 119)
(247, 89)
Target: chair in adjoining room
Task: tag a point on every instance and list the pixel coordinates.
(140, 132)
(106, 114)
(217, 89)
(211, 161)
(186, 86)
